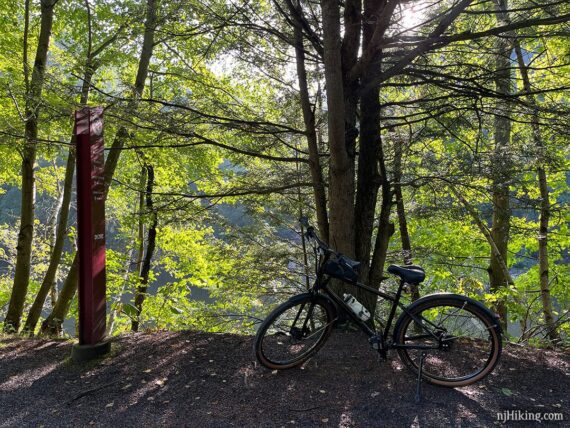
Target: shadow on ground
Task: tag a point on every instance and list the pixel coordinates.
(205, 380)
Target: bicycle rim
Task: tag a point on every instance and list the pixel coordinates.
(293, 333)
(467, 341)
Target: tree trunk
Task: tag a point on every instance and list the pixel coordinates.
(139, 249)
(49, 280)
(26, 234)
(385, 231)
(341, 187)
(486, 233)
(319, 190)
(52, 324)
(401, 213)
(140, 294)
(501, 171)
(368, 177)
(544, 201)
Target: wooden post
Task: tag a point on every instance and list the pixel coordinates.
(91, 234)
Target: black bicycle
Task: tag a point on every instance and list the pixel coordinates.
(446, 339)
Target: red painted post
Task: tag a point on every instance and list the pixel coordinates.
(91, 233)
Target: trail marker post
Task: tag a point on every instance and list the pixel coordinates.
(91, 234)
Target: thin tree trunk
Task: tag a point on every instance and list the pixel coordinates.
(115, 310)
(140, 249)
(26, 234)
(49, 281)
(319, 190)
(401, 213)
(544, 220)
(501, 171)
(52, 324)
(142, 289)
(385, 231)
(486, 233)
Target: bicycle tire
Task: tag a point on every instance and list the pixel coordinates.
(292, 336)
(462, 344)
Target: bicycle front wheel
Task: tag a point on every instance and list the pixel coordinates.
(461, 339)
(294, 331)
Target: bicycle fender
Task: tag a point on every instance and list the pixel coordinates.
(314, 297)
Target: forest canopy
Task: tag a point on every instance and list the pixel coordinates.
(432, 132)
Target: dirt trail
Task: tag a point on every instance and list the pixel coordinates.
(204, 380)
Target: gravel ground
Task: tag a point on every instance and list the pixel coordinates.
(210, 380)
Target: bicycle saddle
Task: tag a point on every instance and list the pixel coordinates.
(412, 274)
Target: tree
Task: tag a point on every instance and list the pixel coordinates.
(34, 88)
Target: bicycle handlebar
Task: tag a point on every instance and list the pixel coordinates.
(312, 235)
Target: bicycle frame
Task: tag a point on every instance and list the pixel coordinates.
(322, 283)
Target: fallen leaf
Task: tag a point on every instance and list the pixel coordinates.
(322, 391)
(375, 394)
(507, 392)
(111, 404)
(325, 420)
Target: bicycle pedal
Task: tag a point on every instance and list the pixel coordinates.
(376, 342)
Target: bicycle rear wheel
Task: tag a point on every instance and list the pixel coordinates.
(464, 337)
(294, 331)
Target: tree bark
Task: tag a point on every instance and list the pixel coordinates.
(26, 233)
(319, 190)
(52, 324)
(341, 181)
(141, 291)
(501, 171)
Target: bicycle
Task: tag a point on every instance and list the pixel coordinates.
(446, 339)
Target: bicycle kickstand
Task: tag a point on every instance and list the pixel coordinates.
(419, 383)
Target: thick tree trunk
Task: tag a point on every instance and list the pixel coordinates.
(350, 46)
(375, 20)
(140, 294)
(341, 181)
(368, 177)
(544, 220)
(501, 171)
(319, 190)
(52, 324)
(26, 234)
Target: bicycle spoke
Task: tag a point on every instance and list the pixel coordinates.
(462, 339)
